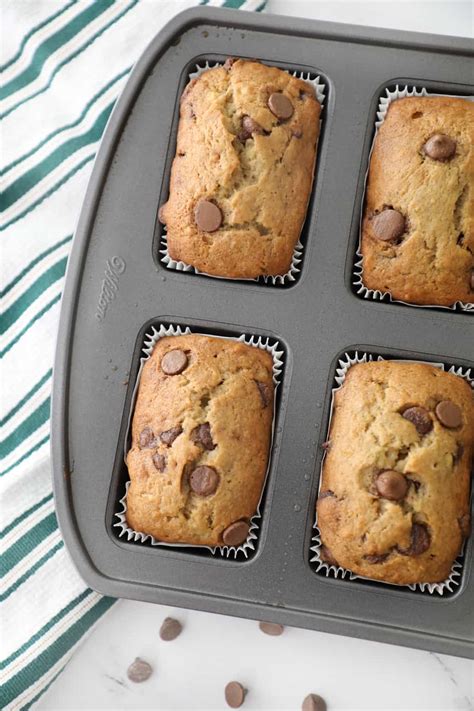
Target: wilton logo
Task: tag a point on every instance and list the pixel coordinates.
(114, 268)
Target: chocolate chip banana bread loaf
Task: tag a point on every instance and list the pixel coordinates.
(200, 440)
(394, 498)
(418, 227)
(243, 170)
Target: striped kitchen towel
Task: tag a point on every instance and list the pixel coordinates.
(63, 65)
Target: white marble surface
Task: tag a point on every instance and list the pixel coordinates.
(191, 672)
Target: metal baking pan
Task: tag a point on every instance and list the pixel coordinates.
(116, 287)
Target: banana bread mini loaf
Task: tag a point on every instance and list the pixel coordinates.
(418, 227)
(243, 170)
(201, 435)
(394, 498)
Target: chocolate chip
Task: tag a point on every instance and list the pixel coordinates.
(159, 460)
(459, 452)
(271, 628)
(147, 438)
(229, 62)
(420, 540)
(207, 216)
(325, 494)
(449, 414)
(314, 702)
(265, 392)
(420, 418)
(169, 436)
(204, 480)
(327, 556)
(234, 694)
(139, 671)
(202, 435)
(236, 533)
(376, 558)
(280, 105)
(249, 128)
(174, 362)
(391, 485)
(170, 629)
(296, 132)
(465, 525)
(388, 225)
(440, 147)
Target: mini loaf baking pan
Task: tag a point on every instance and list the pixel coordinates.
(117, 287)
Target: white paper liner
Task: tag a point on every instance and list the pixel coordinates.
(454, 578)
(294, 269)
(150, 340)
(358, 281)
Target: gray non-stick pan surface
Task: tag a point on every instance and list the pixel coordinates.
(316, 319)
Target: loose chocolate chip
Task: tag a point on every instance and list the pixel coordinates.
(376, 558)
(465, 525)
(170, 629)
(391, 485)
(139, 671)
(204, 480)
(234, 694)
(169, 436)
(229, 62)
(440, 147)
(271, 628)
(449, 414)
(159, 460)
(389, 225)
(296, 132)
(236, 533)
(327, 556)
(314, 702)
(420, 418)
(249, 128)
(207, 216)
(280, 105)
(174, 362)
(147, 438)
(420, 540)
(202, 435)
(265, 392)
(325, 494)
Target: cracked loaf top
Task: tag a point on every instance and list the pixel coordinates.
(243, 170)
(201, 435)
(394, 498)
(418, 227)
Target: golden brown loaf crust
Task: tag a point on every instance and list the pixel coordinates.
(259, 176)
(416, 535)
(214, 412)
(432, 262)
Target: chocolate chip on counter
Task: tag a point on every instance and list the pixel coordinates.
(280, 105)
(391, 485)
(204, 480)
(440, 147)
(376, 558)
(265, 392)
(327, 556)
(147, 438)
(296, 132)
(229, 62)
(169, 436)
(236, 533)
(449, 414)
(207, 216)
(174, 362)
(314, 702)
(170, 629)
(271, 628)
(465, 525)
(159, 460)
(420, 540)
(325, 494)
(420, 418)
(202, 435)
(249, 128)
(139, 671)
(388, 225)
(234, 694)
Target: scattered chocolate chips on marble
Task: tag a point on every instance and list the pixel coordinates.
(174, 362)
(234, 694)
(170, 629)
(271, 628)
(204, 480)
(449, 414)
(313, 702)
(201, 435)
(208, 216)
(440, 147)
(420, 418)
(139, 671)
(236, 533)
(280, 106)
(391, 485)
(388, 225)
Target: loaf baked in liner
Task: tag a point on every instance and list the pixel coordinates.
(249, 164)
(201, 435)
(417, 230)
(393, 504)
